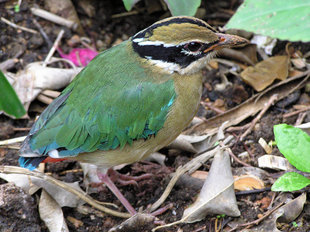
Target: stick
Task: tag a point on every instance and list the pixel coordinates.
(18, 27)
(80, 194)
(271, 101)
(55, 45)
(54, 18)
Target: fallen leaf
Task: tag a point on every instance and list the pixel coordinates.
(264, 145)
(274, 162)
(265, 72)
(217, 195)
(248, 182)
(31, 184)
(286, 214)
(51, 213)
(264, 42)
(35, 78)
(249, 107)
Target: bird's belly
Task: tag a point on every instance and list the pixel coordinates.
(183, 110)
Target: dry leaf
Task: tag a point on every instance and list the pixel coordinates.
(31, 183)
(217, 195)
(264, 145)
(250, 107)
(274, 162)
(286, 214)
(264, 42)
(248, 182)
(51, 214)
(29, 83)
(265, 72)
(181, 143)
(202, 175)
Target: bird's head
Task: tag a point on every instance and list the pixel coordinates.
(181, 44)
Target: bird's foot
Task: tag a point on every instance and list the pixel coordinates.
(125, 179)
(109, 183)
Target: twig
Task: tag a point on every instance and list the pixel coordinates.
(237, 159)
(82, 195)
(54, 18)
(12, 141)
(300, 118)
(21, 128)
(211, 107)
(52, 50)
(238, 128)
(257, 221)
(51, 93)
(271, 101)
(254, 191)
(125, 14)
(44, 35)
(46, 100)
(18, 27)
(190, 167)
(296, 112)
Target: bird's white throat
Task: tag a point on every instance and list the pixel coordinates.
(195, 66)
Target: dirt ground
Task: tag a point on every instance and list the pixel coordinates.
(104, 30)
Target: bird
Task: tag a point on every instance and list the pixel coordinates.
(130, 100)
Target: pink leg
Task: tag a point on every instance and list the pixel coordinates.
(109, 183)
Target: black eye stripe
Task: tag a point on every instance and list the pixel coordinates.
(173, 54)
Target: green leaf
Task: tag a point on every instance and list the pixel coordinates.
(183, 7)
(129, 4)
(294, 144)
(290, 181)
(285, 20)
(9, 102)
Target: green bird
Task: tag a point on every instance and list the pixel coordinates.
(130, 101)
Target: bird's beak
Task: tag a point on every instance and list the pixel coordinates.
(226, 40)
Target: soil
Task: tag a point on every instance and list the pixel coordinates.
(18, 210)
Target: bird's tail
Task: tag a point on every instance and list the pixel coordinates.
(31, 162)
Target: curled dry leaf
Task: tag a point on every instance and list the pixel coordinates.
(274, 162)
(263, 143)
(51, 214)
(217, 195)
(265, 72)
(182, 143)
(35, 78)
(264, 42)
(31, 184)
(285, 214)
(138, 222)
(248, 182)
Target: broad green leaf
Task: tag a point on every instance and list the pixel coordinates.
(183, 7)
(290, 181)
(129, 4)
(9, 102)
(294, 144)
(285, 20)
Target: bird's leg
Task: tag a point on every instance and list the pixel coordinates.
(125, 179)
(109, 183)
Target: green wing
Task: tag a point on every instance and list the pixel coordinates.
(112, 102)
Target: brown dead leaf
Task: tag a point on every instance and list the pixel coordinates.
(200, 174)
(265, 72)
(249, 107)
(248, 182)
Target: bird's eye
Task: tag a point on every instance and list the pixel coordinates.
(193, 46)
